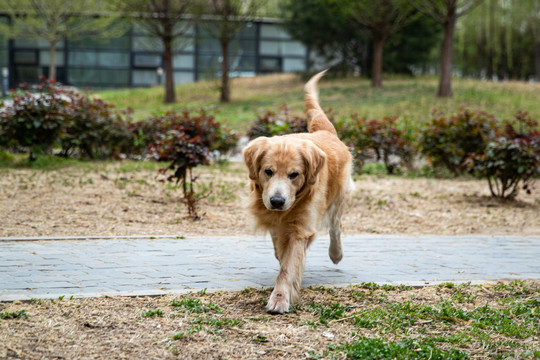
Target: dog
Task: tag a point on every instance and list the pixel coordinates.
(298, 184)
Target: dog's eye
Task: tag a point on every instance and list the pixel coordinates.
(293, 175)
(269, 172)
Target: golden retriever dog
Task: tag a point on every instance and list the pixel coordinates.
(299, 183)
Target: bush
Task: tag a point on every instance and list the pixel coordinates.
(511, 159)
(36, 120)
(186, 141)
(381, 139)
(448, 141)
(93, 129)
(269, 123)
(46, 115)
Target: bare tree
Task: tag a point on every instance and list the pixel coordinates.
(166, 19)
(223, 19)
(383, 18)
(446, 13)
(54, 20)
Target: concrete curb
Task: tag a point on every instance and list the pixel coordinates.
(91, 237)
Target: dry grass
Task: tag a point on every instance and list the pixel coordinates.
(440, 321)
(127, 198)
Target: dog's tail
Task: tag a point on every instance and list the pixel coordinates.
(316, 118)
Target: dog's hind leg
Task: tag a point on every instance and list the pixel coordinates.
(335, 250)
(334, 214)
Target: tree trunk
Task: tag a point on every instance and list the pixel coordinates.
(52, 60)
(445, 79)
(491, 71)
(376, 66)
(537, 60)
(170, 96)
(225, 91)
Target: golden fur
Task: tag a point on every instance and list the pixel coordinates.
(299, 182)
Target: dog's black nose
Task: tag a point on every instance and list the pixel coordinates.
(277, 202)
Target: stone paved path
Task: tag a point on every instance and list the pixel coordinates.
(146, 266)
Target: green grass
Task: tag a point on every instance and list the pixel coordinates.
(438, 330)
(153, 313)
(412, 98)
(368, 348)
(43, 162)
(51, 163)
(13, 315)
(194, 306)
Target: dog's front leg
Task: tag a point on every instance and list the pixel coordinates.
(292, 251)
(275, 241)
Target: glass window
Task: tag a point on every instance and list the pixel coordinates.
(27, 42)
(183, 61)
(273, 31)
(270, 64)
(209, 45)
(248, 31)
(26, 73)
(45, 57)
(3, 57)
(147, 43)
(186, 27)
(25, 57)
(111, 59)
(247, 63)
(89, 58)
(82, 58)
(147, 60)
(185, 44)
(98, 76)
(182, 77)
(140, 29)
(145, 77)
(270, 47)
(290, 65)
(248, 46)
(293, 48)
(100, 43)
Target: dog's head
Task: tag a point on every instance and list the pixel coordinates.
(281, 167)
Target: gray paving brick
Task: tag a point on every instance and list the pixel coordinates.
(156, 266)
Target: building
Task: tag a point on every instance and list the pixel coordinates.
(134, 60)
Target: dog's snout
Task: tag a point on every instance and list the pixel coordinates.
(277, 202)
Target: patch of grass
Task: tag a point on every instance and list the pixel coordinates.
(411, 97)
(370, 348)
(43, 162)
(195, 306)
(183, 334)
(329, 312)
(153, 313)
(14, 315)
(217, 325)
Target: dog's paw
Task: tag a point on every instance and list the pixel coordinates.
(335, 256)
(279, 302)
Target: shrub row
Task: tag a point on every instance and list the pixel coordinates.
(48, 117)
(506, 153)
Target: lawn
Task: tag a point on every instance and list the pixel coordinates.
(365, 321)
(411, 97)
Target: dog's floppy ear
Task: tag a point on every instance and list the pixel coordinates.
(314, 159)
(253, 154)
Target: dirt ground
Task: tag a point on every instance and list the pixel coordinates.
(129, 199)
(234, 325)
